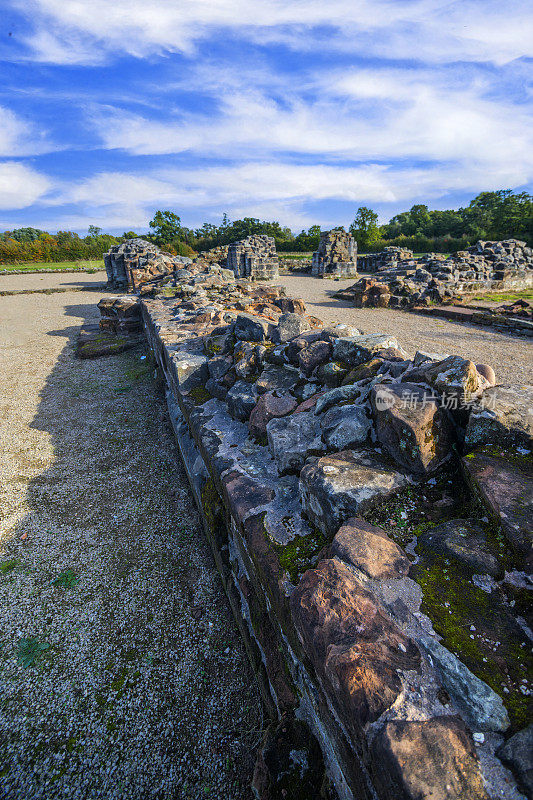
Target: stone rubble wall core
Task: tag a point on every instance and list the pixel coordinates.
(402, 280)
(336, 256)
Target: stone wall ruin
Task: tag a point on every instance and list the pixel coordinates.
(254, 257)
(370, 514)
(135, 262)
(484, 267)
(336, 256)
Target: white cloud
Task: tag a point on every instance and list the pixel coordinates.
(21, 186)
(353, 115)
(70, 31)
(269, 190)
(19, 137)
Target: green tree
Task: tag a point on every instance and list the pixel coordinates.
(166, 226)
(365, 228)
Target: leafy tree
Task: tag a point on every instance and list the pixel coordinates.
(365, 228)
(166, 226)
(94, 232)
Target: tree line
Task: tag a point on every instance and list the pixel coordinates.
(490, 215)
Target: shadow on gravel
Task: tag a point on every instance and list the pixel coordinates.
(137, 685)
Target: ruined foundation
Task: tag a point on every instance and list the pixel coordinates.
(370, 514)
(255, 258)
(336, 256)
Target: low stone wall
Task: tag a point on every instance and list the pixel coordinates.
(484, 267)
(370, 514)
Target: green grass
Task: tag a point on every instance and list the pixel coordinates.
(84, 265)
(504, 297)
(295, 256)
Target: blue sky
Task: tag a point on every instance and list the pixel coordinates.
(294, 111)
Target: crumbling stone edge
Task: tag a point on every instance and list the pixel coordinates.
(372, 703)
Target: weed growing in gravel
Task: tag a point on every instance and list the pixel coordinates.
(7, 566)
(66, 580)
(29, 649)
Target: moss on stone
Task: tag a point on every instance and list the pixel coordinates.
(199, 395)
(475, 626)
(301, 554)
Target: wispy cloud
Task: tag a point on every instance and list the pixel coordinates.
(20, 137)
(432, 30)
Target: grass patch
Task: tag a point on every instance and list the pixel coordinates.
(8, 566)
(55, 266)
(29, 650)
(504, 297)
(66, 580)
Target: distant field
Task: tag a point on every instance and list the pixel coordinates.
(54, 266)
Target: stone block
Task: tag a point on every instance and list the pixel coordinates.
(335, 487)
(369, 549)
(291, 439)
(412, 427)
(355, 649)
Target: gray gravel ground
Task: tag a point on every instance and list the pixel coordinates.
(510, 356)
(49, 280)
(140, 687)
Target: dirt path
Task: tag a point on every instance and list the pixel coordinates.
(510, 356)
(137, 684)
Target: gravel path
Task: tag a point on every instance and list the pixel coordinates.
(49, 280)
(137, 685)
(510, 356)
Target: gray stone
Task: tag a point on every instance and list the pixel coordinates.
(241, 400)
(454, 377)
(292, 438)
(503, 415)
(190, 370)
(341, 394)
(339, 331)
(482, 707)
(250, 328)
(289, 326)
(355, 350)
(331, 374)
(422, 357)
(311, 357)
(411, 426)
(345, 426)
(338, 486)
(248, 358)
(219, 366)
(517, 753)
(279, 379)
(216, 389)
(465, 542)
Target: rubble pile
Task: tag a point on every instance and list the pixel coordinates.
(135, 262)
(336, 256)
(370, 512)
(217, 255)
(295, 265)
(388, 258)
(435, 277)
(254, 257)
